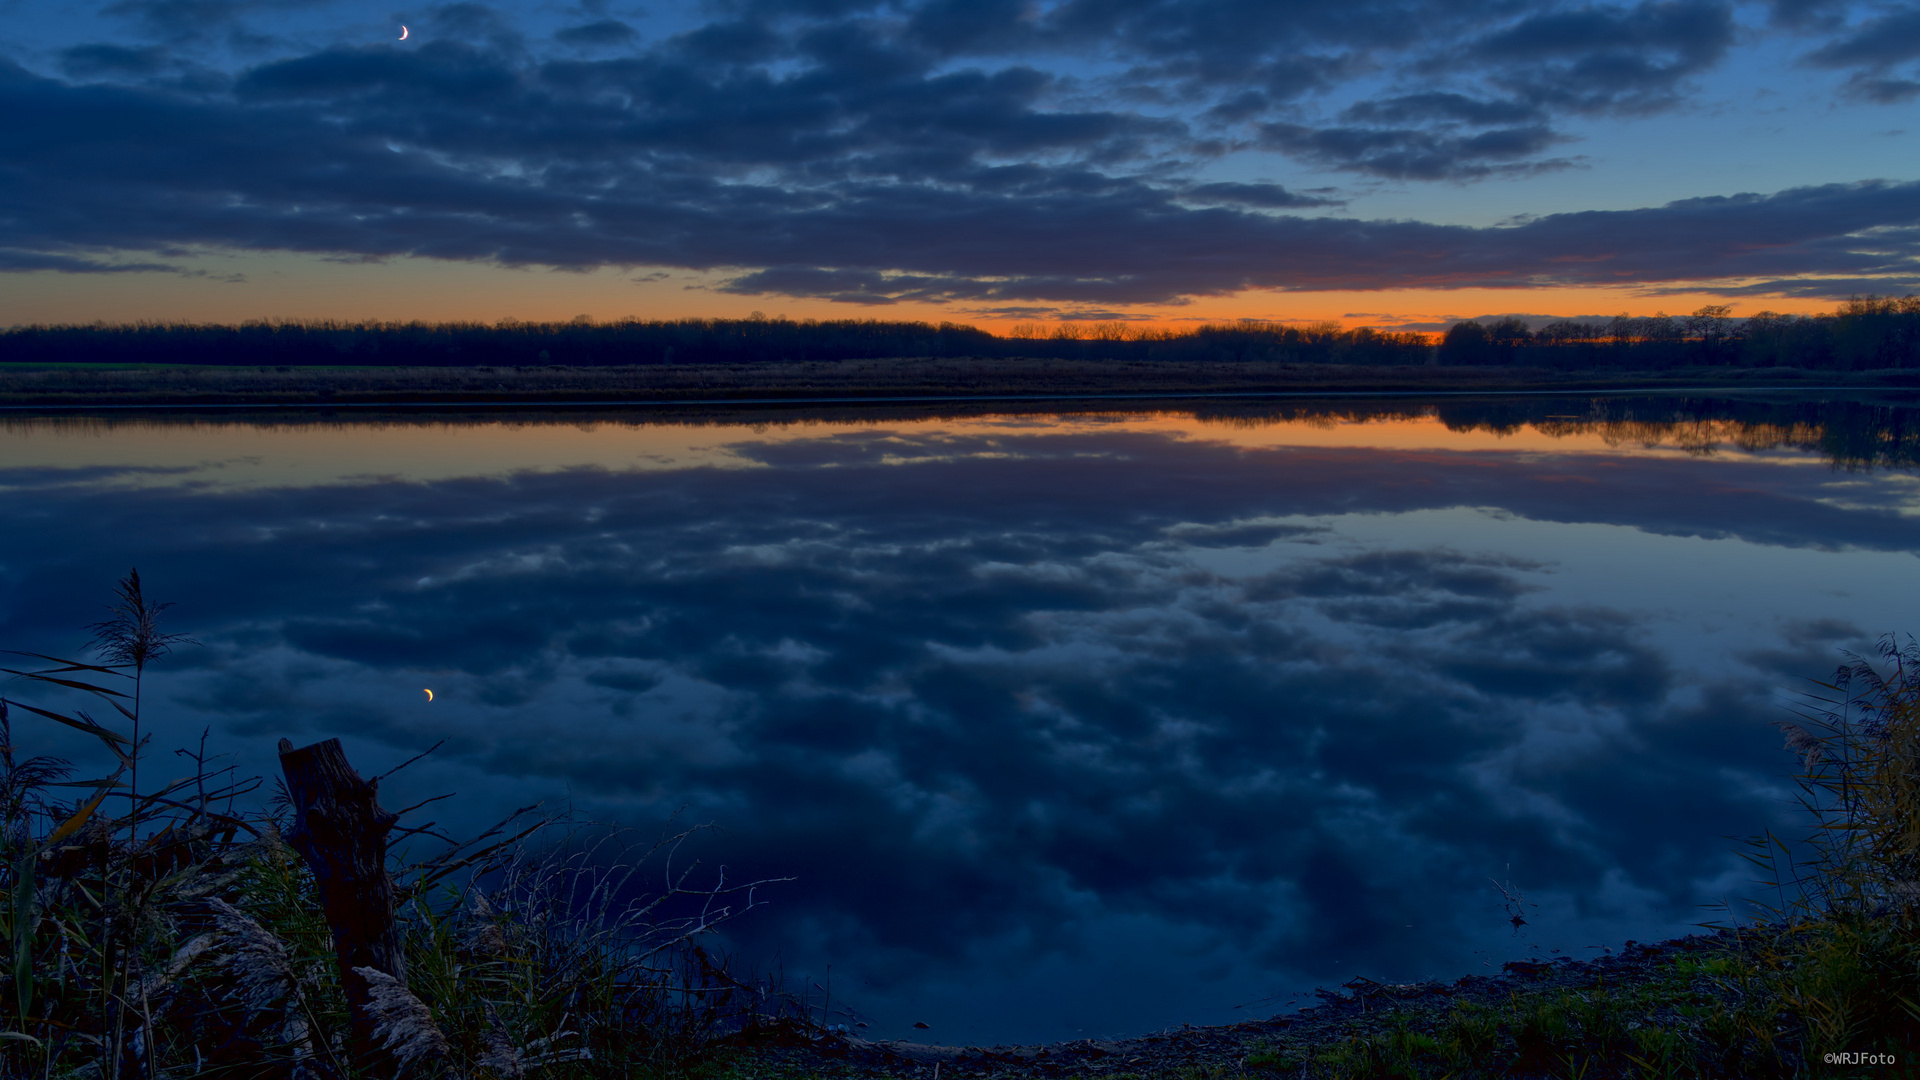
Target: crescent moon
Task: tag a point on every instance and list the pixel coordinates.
(403, 33)
(429, 695)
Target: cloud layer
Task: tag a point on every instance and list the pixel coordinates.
(977, 152)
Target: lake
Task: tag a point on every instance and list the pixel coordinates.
(1065, 723)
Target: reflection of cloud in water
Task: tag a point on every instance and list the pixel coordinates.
(1009, 701)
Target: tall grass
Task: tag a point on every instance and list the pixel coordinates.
(1848, 969)
(168, 931)
(1860, 785)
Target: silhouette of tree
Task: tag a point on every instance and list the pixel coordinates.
(1866, 333)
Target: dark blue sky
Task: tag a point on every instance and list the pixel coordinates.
(1376, 161)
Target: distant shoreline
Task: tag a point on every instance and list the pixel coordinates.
(892, 381)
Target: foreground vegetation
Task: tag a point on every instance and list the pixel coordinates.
(164, 930)
(159, 930)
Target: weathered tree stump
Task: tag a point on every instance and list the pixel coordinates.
(341, 831)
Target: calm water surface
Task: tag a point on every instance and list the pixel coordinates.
(1066, 724)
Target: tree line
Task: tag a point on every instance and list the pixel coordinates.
(583, 342)
(1867, 333)
(1862, 334)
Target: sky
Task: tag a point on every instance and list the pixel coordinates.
(1062, 726)
(1378, 162)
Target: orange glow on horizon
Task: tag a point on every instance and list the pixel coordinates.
(236, 287)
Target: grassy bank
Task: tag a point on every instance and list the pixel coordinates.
(1704, 1006)
(168, 930)
(23, 385)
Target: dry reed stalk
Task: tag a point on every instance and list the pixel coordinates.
(515, 1062)
(260, 964)
(1802, 742)
(402, 1023)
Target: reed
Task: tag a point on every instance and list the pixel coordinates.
(168, 931)
(1848, 972)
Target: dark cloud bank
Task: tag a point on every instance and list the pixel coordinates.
(946, 151)
(977, 693)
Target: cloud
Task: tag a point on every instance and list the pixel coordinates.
(419, 174)
(1802, 14)
(471, 21)
(1435, 105)
(1062, 314)
(1877, 43)
(959, 27)
(946, 153)
(605, 32)
(1378, 139)
(1821, 288)
(442, 71)
(98, 61)
(734, 42)
(1600, 59)
(841, 286)
(1258, 196)
(1803, 231)
(1412, 154)
(1883, 91)
(1873, 50)
(181, 19)
(16, 260)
